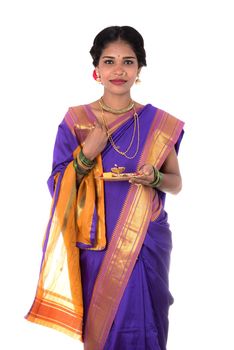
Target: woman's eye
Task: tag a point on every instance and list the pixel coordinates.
(128, 62)
(108, 61)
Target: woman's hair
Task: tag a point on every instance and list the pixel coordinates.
(110, 34)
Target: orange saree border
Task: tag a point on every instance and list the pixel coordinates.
(58, 302)
(55, 315)
(55, 306)
(140, 206)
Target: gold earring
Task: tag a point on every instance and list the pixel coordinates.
(96, 76)
(138, 80)
(98, 79)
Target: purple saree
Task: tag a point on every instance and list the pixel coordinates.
(124, 282)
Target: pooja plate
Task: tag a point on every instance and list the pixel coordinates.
(110, 176)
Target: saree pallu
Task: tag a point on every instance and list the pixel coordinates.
(124, 278)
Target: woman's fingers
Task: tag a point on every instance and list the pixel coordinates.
(147, 169)
(139, 182)
(98, 127)
(95, 141)
(145, 176)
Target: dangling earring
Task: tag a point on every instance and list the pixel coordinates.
(138, 80)
(96, 76)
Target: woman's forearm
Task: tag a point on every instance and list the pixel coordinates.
(171, 183)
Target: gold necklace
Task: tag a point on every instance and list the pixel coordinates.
(113, 110)
(136, 126)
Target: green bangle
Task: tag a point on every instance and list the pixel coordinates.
(79, 170)
(157, 178)
(85, 161)
(160, 180)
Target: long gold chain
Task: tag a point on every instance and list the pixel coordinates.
(136, 126)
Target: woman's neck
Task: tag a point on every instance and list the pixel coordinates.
(116, 101)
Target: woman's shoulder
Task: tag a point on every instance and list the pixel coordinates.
(75, 109)
(76, 116)
(79, 110)
(164, 113)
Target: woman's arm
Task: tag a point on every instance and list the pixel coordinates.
(93, 145)
(171, 179)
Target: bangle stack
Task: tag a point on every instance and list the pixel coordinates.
(82, 164)
(157, 178)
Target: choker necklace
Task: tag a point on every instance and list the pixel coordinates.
(136, 128)
(113, 110)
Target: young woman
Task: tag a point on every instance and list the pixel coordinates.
(104, 272)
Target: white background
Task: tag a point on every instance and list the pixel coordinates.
(45, 68)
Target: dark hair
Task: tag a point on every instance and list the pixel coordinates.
(110, 34)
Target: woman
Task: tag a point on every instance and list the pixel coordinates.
(104, 272)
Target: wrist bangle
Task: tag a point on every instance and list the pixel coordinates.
(157, 178)
(160, 180)
(82, 165)
(78, 169)
(85, 161)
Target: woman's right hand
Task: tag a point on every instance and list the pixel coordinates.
(95, 142)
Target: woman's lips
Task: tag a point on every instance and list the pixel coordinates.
(118, 81)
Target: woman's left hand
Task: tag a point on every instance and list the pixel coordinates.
(145, 175)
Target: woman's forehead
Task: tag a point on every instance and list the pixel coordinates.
(118, 49)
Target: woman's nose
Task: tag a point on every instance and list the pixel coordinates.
(119, 71)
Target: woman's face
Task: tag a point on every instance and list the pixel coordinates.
(118, 67)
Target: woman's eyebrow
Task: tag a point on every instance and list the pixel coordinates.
(126, 57)
(108, 57)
